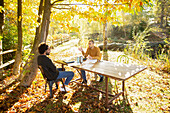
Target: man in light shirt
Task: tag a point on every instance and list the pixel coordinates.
(92, 52)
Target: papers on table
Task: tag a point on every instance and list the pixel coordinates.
(90, 61)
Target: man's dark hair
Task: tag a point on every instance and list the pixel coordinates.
(91, 41)
(42, 47)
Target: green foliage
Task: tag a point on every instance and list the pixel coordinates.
(25, 54)
(9, 36)
(140, 50)
(9, 40)
(1, 37)
(139, 45)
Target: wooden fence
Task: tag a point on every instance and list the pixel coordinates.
(58, 41)
(9, 62)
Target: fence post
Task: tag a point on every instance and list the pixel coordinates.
(1, 60)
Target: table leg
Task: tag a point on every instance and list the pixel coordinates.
(79, 73)
(106, 84)
(62, 67)
(123, 87)
(63, 70)
(95, 76)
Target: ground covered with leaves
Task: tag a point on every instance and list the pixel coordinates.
(148, 91)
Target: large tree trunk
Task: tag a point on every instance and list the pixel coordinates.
(18, 57)
(47, 26)
(1, 34)
(36, 40)
(45, 22)
(30, 69)
(38, 28)
(1, 17)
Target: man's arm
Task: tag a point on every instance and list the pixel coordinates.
(86, 54)
(98, 55)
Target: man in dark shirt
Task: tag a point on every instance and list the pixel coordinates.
(46, 62)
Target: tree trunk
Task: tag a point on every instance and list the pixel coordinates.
(30, 68)
(1, 17)
(37, 38)
(18, 57)
(45, 22)
(166, 22)
(123, 23)
(37, 34)
(47, 29)
(162, 14)
(1, 34)
(105, 55)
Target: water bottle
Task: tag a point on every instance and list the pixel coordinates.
(81, 59)
(78, 60)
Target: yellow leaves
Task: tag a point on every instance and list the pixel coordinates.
(1, 9)
(1, 97)
(138, 8)
(130, 6)
(76, 106)
(141, 3)
(91, 9)
(19, 19)
(75, 109)
(38, 108)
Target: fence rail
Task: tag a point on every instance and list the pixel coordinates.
(59, 41)
(9, 62)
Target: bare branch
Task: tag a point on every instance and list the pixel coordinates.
(91, 4)
(56, 2)
(61, 8)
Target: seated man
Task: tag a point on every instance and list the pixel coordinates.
(92, 52)
(44, 61)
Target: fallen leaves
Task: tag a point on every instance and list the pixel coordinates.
(146, 92)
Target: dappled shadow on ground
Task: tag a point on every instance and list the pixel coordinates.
(94, 101)
(81, 99)
(11, 96)
(52, 105)
(3, 89)
(7, 81)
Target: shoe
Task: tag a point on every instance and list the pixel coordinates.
(101, 79)
(84, 81)
(67, 89)
(62, 89)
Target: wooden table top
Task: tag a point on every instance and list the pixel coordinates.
(115, 70)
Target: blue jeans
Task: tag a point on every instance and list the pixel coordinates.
(65, 74)
(83, 73)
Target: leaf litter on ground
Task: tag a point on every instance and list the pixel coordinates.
(148, 91)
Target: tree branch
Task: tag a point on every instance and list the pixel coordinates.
(61, 8)
(56, 2)
(91, 4)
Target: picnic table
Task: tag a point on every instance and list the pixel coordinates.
(114, 70)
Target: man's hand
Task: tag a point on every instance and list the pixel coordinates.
(80, 49)
(89, 57)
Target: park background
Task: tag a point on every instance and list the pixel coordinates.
(136, 29)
